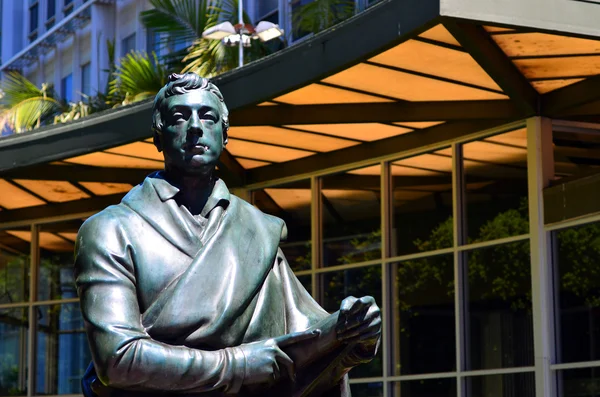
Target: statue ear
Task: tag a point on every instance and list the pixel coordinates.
(157, 141)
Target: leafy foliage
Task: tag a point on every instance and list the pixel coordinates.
(139, 76)
(25, 106)
(319, 15)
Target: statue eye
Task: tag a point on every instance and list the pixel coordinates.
(210, 116)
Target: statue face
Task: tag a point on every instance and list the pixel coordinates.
(192, 133)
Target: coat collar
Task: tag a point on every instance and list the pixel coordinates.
(154, 201)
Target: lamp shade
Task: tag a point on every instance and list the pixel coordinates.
(219, 31)
(267, 31)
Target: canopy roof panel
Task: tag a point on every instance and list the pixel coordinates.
(344, 95)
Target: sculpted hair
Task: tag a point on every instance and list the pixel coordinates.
(180, 84)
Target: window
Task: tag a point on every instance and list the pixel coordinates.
(51, 8)
(33, 19)
(128, 44)
(68, 7)
(86, 72)
(66, 88)
(152, 41)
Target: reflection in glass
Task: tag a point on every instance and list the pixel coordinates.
(574, 153)
(57, 243)
(14, 266)
(499, 315)
(581, 382)
(425, 334)
(422, 202)
(367, 389)
(62, 351)
(353, 282)
(441, 387)
(351, 207)
(578, 250)
(306, 282)
(291, 203)
(509, 385)
(13, 351)
(496, 186)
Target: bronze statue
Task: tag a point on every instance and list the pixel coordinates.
(184, 290)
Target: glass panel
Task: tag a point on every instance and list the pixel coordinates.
(33, 17)
(367, 389)
(426, 324)
(306, 282)
(442, 387)
(359, 282)
(14, 265)
(578, 250)
(509, 385)
(291, 203)
(422, 203)
(51, 8)
(62, 350)
(13, 351)
(496, 186)
(66, 88)
(128, 44)
(351, 207)
(266, 6)
(57, 244)
(574, 153)
(86, 77)
(581, 382)
(499, 317)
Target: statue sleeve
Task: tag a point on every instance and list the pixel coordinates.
(124, 355)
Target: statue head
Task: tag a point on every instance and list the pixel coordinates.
(190, 122)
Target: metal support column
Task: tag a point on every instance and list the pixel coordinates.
(33, 284)
(460, 268)
(540, 168)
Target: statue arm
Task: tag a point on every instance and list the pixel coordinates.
(124, 354)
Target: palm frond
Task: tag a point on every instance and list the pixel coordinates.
(25, 106)
(184, 19)
(139, 76)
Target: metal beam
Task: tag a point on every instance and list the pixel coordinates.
(572, 99)
(79, 173)
(230, 170)
(376, 112)
(475, 40)
(31, 214)
(369, 150)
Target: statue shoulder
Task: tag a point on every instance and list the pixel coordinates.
(103, 227)
(251, 211)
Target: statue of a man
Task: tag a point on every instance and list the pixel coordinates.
(184, 289)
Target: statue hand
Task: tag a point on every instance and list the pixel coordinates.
(359, 321)
(265, 361)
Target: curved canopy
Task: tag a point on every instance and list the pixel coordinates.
(401, 75)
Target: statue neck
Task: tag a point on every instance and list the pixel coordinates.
(194, 190)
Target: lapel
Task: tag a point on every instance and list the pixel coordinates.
(164, 217)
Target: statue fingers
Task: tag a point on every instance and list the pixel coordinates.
(356, 333)
(295, 337)
(287, 363)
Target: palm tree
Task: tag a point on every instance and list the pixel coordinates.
(319, 15)
(139, 76)
(24, 106)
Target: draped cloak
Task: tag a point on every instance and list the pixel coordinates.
(167, 298)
